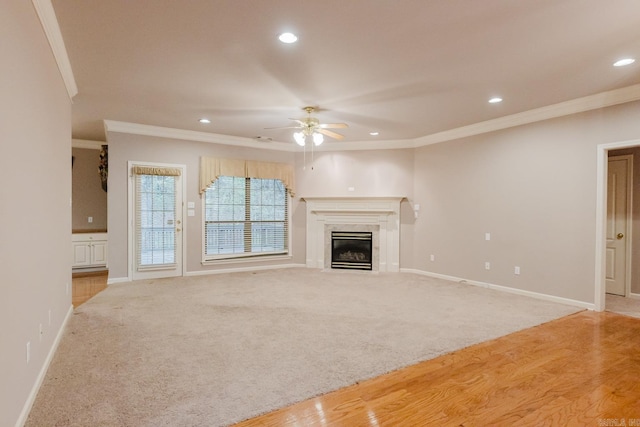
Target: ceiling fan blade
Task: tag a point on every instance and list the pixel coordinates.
(330, 133)
(286, 127)
(333, 125)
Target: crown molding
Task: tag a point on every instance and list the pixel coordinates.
(579, 105)
(88, 144)
(574, 106)
(192, 135)
(389, 144)
(49, 23)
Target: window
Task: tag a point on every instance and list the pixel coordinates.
(245, 217)
(155, 217)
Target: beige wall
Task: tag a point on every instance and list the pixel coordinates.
(35, 168)
(89, 199)
(369, 173)
(124, 147)
(533, 188)
(635, 223)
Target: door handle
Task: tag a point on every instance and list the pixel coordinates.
(620, 236)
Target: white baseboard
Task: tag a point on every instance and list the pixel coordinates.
(633, 296)
(243, 269)
(113, 280)
(537, 295)
(43, 371)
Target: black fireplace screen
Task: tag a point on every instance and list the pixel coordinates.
(351, 250)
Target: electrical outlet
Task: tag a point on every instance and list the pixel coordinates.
(432, 257)
(487, 236)
(516, 270)
(90, 219)
(28, 351)
(487, 265)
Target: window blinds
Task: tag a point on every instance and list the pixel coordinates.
(245, 216)
(155, 215)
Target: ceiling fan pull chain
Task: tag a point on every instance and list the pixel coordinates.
(312, 157)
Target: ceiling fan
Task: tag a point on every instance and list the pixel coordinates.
(311, 126)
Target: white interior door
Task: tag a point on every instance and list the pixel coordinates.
(618, 238)
(157, 221)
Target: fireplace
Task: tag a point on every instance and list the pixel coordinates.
(378, 215)
(351, 250)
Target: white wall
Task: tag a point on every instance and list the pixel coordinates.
(35, 211)
(533, 188)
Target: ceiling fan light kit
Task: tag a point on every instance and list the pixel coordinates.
(311, 126)
(300, 138)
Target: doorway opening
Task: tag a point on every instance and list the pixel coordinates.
(612, 234)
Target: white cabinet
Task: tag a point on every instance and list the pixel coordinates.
(89, 250)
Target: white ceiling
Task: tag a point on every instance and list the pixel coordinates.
(404, 68)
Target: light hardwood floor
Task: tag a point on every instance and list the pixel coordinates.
(581, 370)
(86, 285)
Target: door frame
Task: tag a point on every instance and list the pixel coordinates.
(131, 235)
(601, 219)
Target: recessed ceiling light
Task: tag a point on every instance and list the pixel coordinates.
(623, 62)
(495, 100)
(288, 38)
(374, 133)
(205, 121)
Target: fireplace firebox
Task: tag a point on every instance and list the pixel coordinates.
(351, 250)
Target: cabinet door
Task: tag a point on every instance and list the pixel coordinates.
(99, 253)
(81, 254)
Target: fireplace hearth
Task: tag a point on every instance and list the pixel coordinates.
(351, 250)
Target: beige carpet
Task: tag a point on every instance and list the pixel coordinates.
(622, 305)
(213, 350)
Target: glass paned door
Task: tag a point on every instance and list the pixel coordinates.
(157, 226)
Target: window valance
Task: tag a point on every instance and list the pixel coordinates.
(149, 170)
(212, 167)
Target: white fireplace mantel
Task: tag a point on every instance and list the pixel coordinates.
(379, 214)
